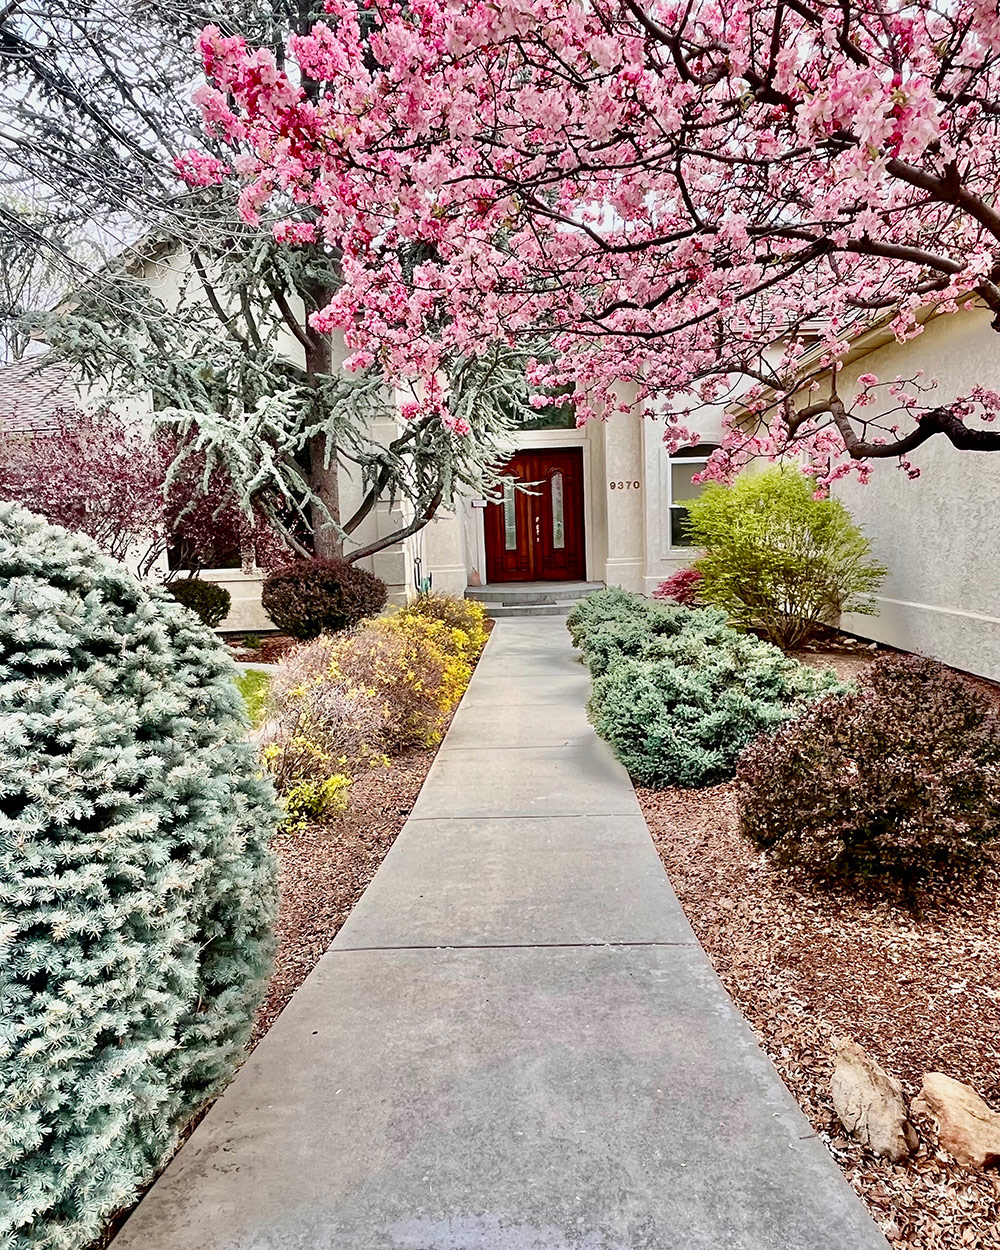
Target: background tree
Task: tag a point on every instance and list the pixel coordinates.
(669, 189)
(101, 475)
(102, 111)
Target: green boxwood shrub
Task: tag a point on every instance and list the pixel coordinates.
(897, 779)
(210, 603)
(137, 893)
(312, 597)
(778, 559)
(678, 694)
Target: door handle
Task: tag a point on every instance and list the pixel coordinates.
(538, 528)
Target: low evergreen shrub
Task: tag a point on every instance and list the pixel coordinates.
(209, 603)
(898, 779)
(206, 600)
(778, 559)
(678, 694)
(137, 894)
(650, 638)
(610, 606)
(313, 597)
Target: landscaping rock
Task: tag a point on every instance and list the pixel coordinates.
(869, 1102)
(967, 1127)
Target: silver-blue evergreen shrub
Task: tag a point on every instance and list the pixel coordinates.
(678, 694)
(137, 892)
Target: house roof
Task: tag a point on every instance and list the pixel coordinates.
(32, 392)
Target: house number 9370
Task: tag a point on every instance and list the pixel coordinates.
(624, 485)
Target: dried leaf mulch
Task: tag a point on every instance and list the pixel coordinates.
(916, 983)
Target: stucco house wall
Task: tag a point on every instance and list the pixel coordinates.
(939, 535)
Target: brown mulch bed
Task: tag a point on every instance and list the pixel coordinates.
(324, 869)
(915, 982)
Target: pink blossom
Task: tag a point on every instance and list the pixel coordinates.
(291, 231)
(199, 170)
(578, 173)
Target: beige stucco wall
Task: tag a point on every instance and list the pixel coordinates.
(938, 535)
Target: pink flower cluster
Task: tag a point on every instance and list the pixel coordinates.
(647, 185)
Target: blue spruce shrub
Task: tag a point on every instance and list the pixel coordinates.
(678, 694)
(608, 607)
(137, 893)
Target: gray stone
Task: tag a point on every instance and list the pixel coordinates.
(869, 1103)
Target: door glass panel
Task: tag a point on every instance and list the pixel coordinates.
(509, 516)
(558, 518)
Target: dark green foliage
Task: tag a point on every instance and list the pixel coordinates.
(313, 597)
(678, 694)
(137, 892)
(210, 603)
(898, 779)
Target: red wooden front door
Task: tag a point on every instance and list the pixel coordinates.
(536, 534)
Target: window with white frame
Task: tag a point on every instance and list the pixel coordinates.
(684, 465)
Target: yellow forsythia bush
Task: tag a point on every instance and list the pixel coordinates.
(410, 668)
(465, 618)
(339, 705)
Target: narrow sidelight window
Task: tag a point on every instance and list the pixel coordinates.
(558, 511)
(509, 515)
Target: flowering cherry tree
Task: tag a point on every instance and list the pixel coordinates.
(674, 192)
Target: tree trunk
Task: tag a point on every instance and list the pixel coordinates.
(328, 543)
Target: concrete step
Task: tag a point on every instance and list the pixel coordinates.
(498, 610)
(532, 592)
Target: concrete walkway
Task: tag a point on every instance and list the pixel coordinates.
(515, 1043)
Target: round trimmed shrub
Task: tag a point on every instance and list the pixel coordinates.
(897, 779)
(209, 603)
(137, 893)
(312, 597)
(778, 559)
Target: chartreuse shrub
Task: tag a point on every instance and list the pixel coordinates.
(897, 779)
(137, 893)
(778, 559)
(678, 694)
(312, 597)
(254, 684)
(209, 603)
